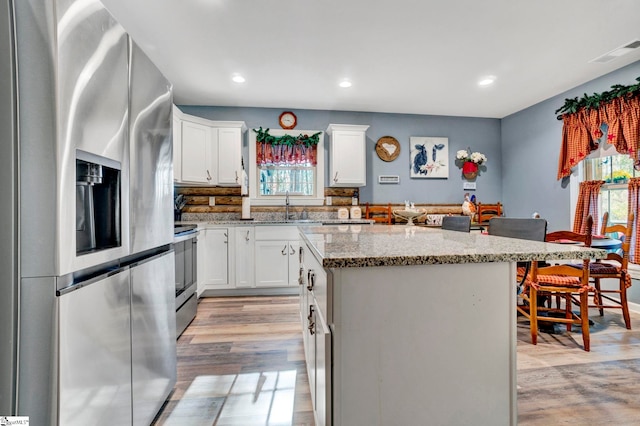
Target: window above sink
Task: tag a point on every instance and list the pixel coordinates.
(293, 173)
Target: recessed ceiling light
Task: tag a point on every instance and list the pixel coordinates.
(345, 83)
(238, 78)
(486, 81)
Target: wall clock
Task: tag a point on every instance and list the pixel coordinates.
(288, 120)
(388, 148)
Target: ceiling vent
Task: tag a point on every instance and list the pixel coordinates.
(616, 53)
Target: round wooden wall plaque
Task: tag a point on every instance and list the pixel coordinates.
(387, 148)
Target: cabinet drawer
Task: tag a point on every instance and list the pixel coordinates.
(283, 232)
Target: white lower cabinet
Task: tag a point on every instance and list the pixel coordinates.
(244, 257)
(272, 263)
(213, 259)
(248, 257)
(277, 256)
(317, 341)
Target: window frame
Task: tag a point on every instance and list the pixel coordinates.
(297, 200)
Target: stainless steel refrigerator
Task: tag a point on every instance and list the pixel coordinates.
(87, 315)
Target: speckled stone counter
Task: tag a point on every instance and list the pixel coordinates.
(382, 245)
(240, 222)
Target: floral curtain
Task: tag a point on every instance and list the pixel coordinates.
(587, 205)
(268, 154)
(634, 206)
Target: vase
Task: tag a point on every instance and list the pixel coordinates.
(470, 170)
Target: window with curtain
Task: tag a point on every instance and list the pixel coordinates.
(293, 167)
(615, 171)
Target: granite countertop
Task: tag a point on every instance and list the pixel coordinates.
(393, 245)
(305, 222)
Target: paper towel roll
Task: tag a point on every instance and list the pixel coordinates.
(246, 208)
(244, 183)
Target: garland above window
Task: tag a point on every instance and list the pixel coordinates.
(263, 136)
(571, 106)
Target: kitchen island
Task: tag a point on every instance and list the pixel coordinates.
(407, 325)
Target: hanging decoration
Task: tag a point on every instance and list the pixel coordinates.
(286, 149)
(618, 108)
(469, 162)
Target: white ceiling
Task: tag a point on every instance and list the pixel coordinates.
(404, 56)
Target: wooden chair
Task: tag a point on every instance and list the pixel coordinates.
(566, 281)
(486, 211)
(614, 266)
(456, 223)
(585, 239)
(380, 214)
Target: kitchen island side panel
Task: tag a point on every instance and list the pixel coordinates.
(432, 343)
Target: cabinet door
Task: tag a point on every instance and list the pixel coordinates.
(177, 150)
(272, 263)
(215, 258)
(196, 153)
(294, 262)
(348, 160)
(245, 256)
(229, 147)
(322, 406)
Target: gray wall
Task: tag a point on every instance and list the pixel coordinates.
(530, 147)
(478, 133)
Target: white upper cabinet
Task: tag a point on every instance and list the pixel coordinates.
(229, 144)
(197, 161)
(207, 152)
(347, 155)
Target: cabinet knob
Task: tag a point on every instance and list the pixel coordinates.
(301, 276)
(237, 177)
(292, 250)
(284, 250)
(300, 255)
(208, 175)
(335, 178)
(247, 237)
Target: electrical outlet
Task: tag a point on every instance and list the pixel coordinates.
(212, 201)
(327, 201)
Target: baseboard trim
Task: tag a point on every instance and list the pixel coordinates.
(293, 291)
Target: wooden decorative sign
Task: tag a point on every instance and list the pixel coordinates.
(387, 148)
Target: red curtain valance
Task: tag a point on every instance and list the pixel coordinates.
(581, 129)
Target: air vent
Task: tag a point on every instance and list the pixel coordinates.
(616, 53)
(388, 179)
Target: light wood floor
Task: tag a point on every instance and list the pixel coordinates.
(241, 362)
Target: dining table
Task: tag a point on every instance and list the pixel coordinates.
(598, 241)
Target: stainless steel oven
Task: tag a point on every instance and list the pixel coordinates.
(185, 245)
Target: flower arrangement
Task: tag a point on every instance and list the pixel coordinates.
(619, 176)
(469, 161)
(465, 155)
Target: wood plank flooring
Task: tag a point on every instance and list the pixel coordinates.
(241, 362)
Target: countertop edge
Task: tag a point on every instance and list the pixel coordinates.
(361, 262)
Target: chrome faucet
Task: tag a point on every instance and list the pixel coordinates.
(286, 204)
